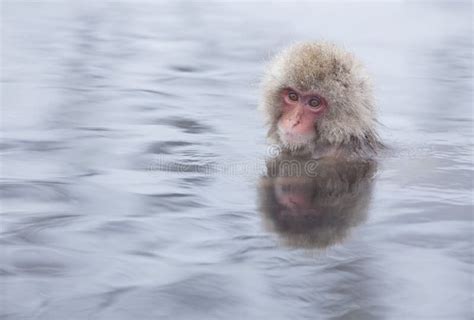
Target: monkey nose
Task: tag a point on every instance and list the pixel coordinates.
(295, 122)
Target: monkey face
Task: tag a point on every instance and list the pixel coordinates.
(300, 110)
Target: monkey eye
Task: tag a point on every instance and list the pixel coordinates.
(293, 96)
(314, 102)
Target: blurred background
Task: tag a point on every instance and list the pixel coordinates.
(120, 121)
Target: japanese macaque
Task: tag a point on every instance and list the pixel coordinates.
(318, 101)
(314, 203)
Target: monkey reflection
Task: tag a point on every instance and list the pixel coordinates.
(313, 203)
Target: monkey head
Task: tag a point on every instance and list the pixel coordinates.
(318, 97)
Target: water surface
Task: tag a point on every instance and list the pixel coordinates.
(132, 157)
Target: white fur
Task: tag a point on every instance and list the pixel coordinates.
(349, 121)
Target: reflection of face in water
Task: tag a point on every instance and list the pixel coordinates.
(313, 203)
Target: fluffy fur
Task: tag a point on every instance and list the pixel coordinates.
(348, 125)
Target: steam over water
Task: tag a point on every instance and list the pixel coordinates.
(133, 166)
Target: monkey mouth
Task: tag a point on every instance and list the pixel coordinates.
(293, 140)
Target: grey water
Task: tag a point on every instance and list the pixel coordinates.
(134, 160)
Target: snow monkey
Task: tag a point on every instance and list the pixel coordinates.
(318, 101)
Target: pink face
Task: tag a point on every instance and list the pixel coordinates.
(300, 111)
(294, 196)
